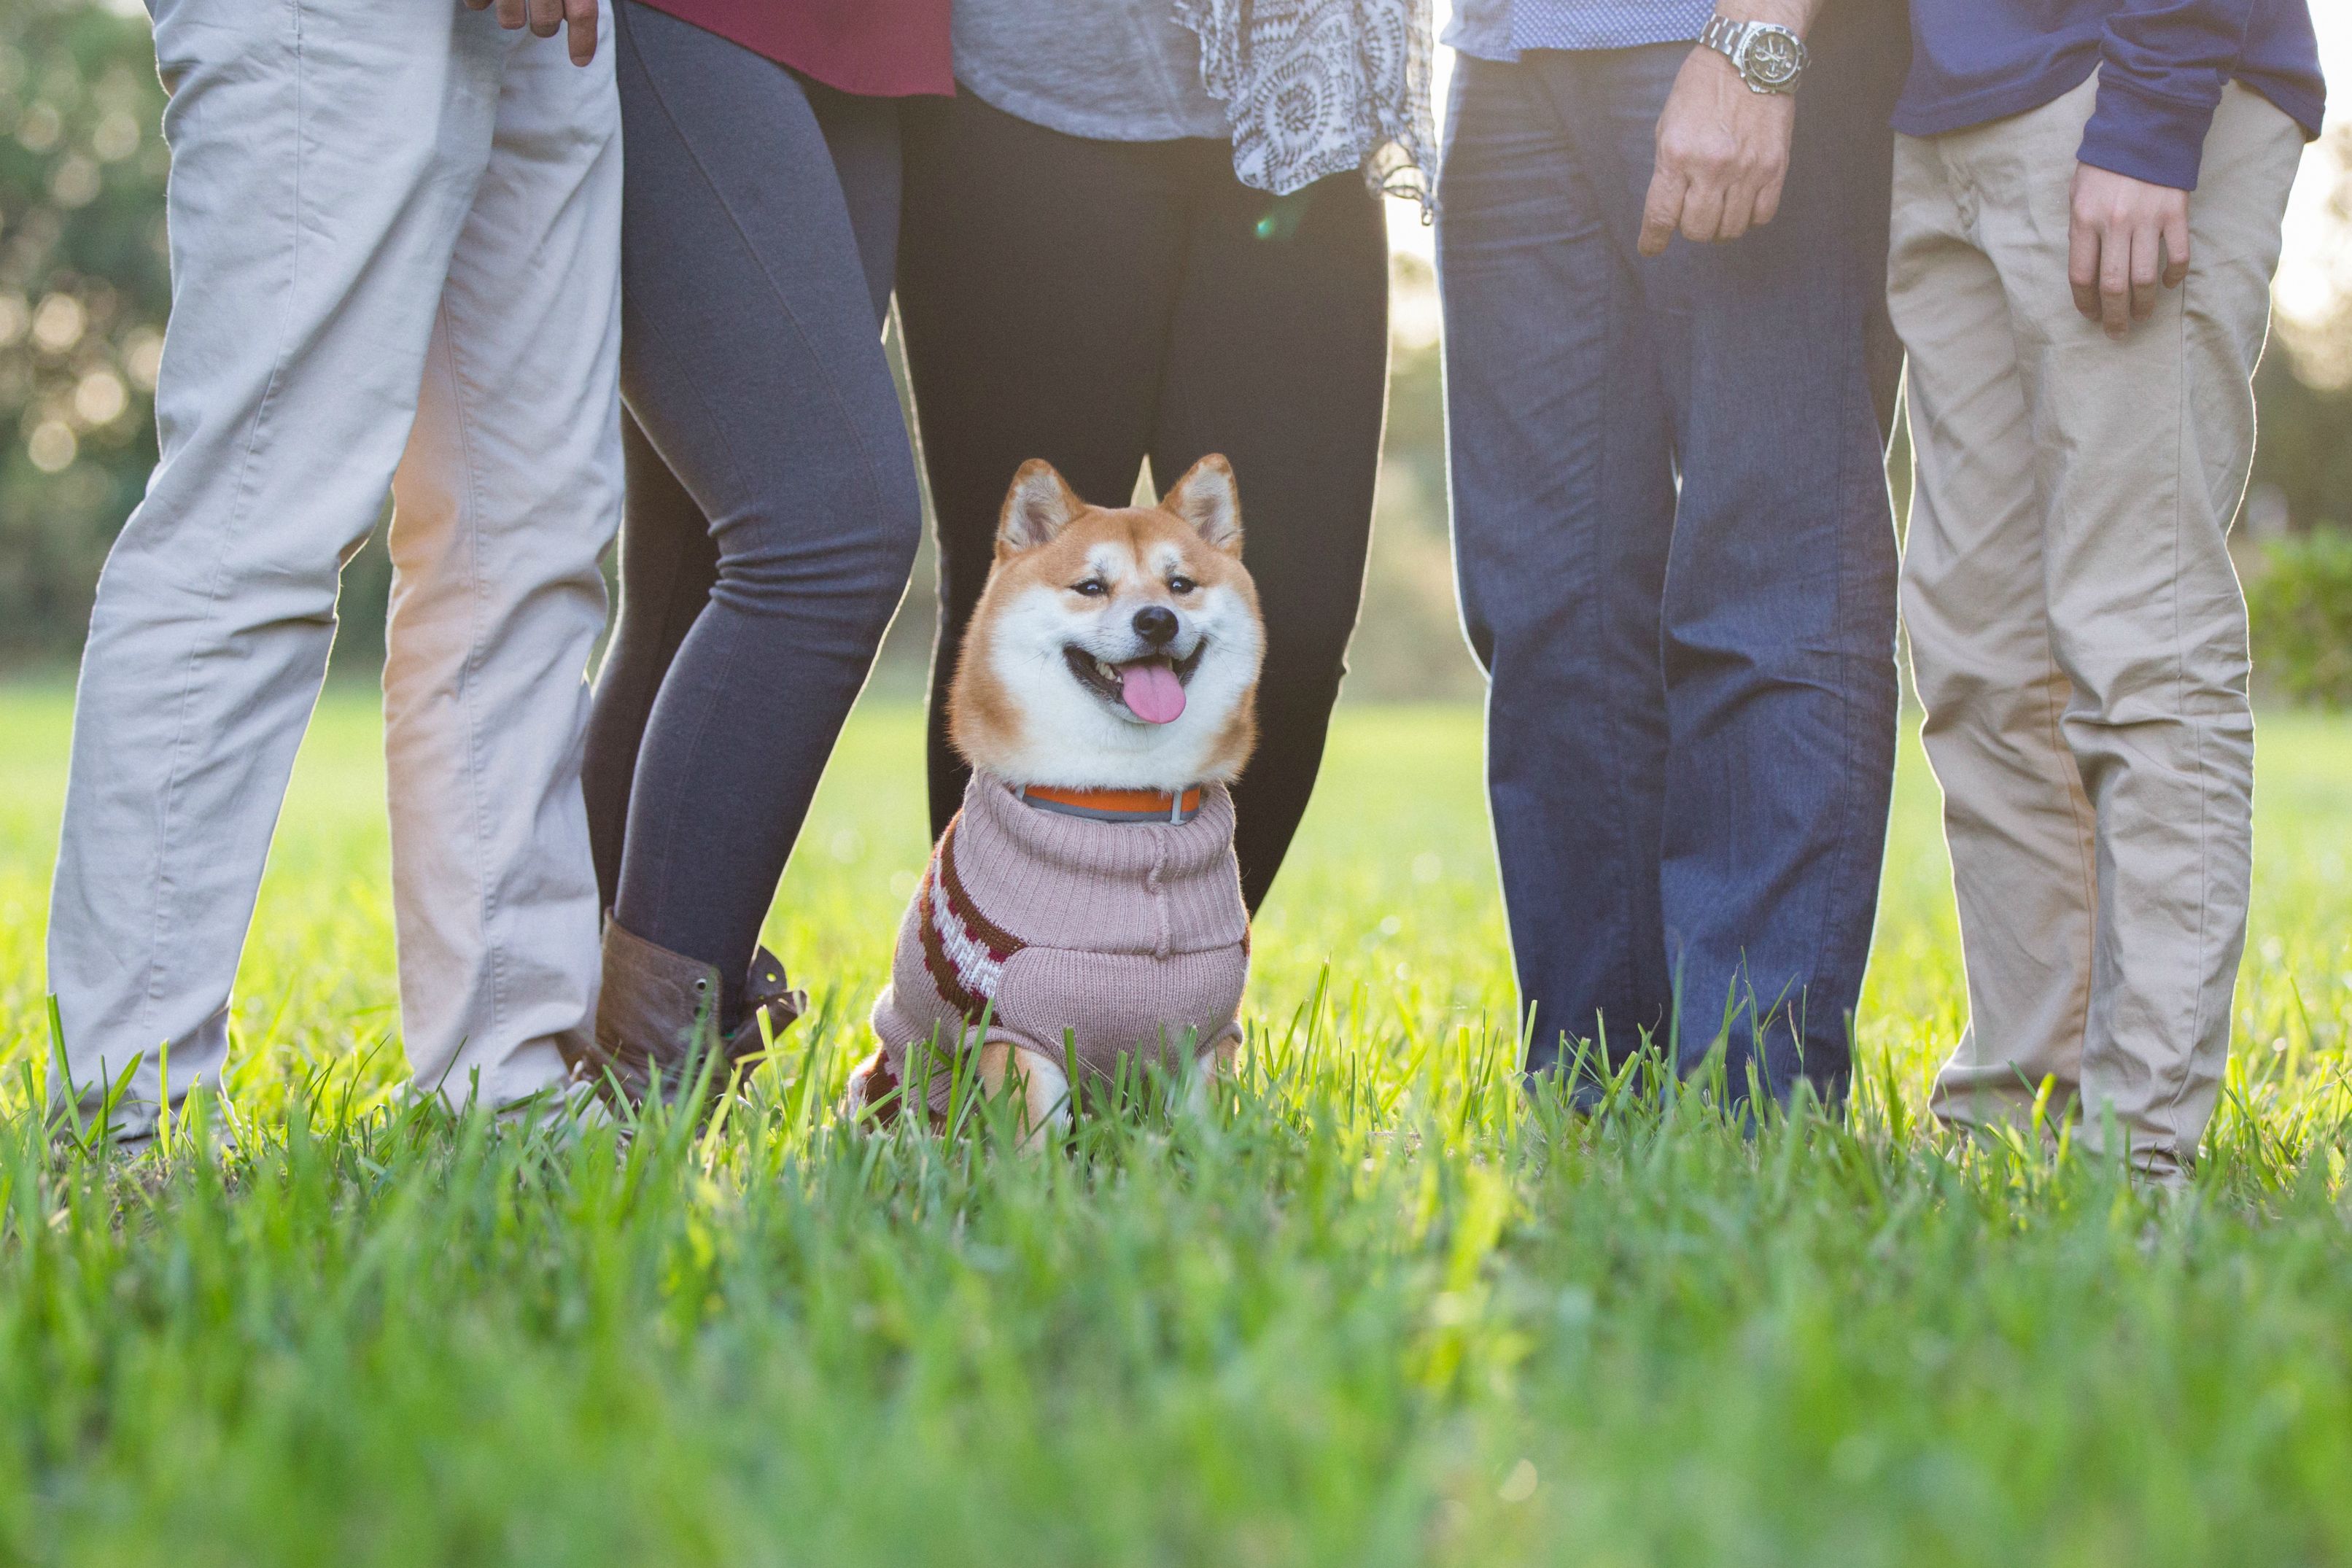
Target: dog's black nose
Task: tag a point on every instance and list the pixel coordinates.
(1156, 624)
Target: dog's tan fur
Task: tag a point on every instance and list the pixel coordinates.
(1047, 541)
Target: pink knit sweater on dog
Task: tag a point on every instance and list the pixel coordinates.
(1130, 935)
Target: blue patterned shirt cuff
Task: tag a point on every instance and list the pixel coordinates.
(1593, 24)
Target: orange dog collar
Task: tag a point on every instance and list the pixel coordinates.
(1115, 805)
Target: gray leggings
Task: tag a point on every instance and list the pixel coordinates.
(772, 511)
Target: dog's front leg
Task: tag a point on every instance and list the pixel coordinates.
(1045, 1089)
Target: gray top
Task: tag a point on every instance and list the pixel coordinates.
(1114, 70)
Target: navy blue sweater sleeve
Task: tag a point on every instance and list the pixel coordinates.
(2162, 66)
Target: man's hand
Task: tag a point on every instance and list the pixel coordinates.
(547, 18)
(1723, 150)
(2122, 235)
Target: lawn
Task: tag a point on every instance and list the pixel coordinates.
(1379, 1310)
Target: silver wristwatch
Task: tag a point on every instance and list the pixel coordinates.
(1770, 58)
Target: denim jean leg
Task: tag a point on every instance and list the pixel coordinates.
(1563, 503)
(1778, 599)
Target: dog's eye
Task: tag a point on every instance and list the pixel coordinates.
(1092, 588)
(1181, 584)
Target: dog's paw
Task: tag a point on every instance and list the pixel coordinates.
(1045, 1089)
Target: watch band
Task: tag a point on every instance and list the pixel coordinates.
(1770, 58)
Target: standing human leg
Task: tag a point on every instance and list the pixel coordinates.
(1036, 282)
(751, 360)
(2146, 447)
(864, 137)
(2015, 818)
(669, 562)
(320, 175)
(509, 490)
(1779, 608)
(1561, 453)
(1278, 357)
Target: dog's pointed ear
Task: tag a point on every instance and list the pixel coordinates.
(1206, 499)
(1039, 506)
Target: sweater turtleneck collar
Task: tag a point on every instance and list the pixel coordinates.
(1195, 847)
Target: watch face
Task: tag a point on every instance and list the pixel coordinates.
(1772, 60)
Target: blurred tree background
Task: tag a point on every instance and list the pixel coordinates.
(84, 289)
(2303, 465)
(84, 292)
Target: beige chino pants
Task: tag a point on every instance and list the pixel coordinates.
(2078, 632)
(395, 250)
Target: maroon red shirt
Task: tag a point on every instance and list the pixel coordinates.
(882, 48)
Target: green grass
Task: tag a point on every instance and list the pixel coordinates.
(1383, 1309)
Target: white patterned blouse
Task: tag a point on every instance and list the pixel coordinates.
(1312, 88)
(1303, 88)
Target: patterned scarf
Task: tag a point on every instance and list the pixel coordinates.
(1314, 86)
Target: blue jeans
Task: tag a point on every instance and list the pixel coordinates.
(1677, 558)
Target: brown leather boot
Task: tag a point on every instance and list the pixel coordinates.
(656, 1019)
(766, 993)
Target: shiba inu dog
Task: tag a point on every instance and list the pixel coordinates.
(1084, 906)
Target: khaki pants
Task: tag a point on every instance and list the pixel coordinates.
(396, 244)
(2077, 631)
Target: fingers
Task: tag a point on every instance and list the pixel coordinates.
(2125, 237)
(1753, 197)
(1722, 154)
(1703, 208)
(2082, 265)
(1707, 205)
(577, 19)
(2115, 282)
(2175, 248)
(1755, 175)
(1662, 209)
(581, 17)
(1707, 193)
(2146, 262)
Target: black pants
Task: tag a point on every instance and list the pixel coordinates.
(773, 509)
(1096, 304)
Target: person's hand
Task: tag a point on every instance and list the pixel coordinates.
(1723, 153)
(547, 18)
(2122, 237)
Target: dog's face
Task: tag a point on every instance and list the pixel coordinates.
(1115, 648)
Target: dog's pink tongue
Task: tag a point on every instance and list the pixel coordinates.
(1153, 693)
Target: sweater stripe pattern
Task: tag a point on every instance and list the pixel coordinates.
(963, 951)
